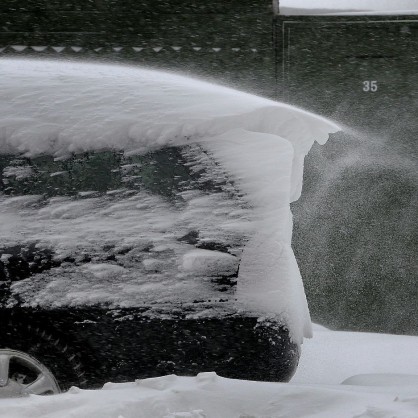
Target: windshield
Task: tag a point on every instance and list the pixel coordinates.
(168, 225)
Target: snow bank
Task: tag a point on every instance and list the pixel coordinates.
(153, 265)
(59, 108)
(332, 357)
(207, 395)
(213, 261)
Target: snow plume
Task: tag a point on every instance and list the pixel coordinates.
(62, 108)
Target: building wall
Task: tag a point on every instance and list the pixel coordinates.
(230, 42)
(324, 63)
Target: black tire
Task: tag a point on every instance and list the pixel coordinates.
(47, 348)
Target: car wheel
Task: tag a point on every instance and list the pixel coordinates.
(33, 361)
(21, 374)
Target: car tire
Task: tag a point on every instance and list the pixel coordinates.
(34, 352)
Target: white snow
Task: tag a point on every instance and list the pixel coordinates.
(371, 7)
(62, 108)
(331, 357)
(327, 385)
(17, 172)
(59, 108)
(268, 254)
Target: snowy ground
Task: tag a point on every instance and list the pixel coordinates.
(385, 386)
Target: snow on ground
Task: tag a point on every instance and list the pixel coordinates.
(386, 386)
(331, 356)
(300, 7)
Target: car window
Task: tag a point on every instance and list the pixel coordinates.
(165, 172)
(168, 224)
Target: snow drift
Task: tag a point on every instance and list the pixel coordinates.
(60, 109)
(374, 369)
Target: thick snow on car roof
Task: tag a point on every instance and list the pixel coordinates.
(60, 108)
(375, 370)
(342, 7)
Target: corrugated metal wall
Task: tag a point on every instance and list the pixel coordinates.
(230, 42)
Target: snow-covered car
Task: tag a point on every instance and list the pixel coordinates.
(145, 227)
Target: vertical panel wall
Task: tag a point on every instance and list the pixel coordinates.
(355, 231)
(352, 68)
(230, 42)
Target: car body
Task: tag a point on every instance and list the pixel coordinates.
(284, 53)
(146, 227)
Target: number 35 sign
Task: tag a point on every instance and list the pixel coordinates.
(369, 85)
